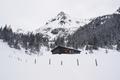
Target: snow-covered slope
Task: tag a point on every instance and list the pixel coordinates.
(16, 65)
(61, 25)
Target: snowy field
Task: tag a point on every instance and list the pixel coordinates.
(16, 65)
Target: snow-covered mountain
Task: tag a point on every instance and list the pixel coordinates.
(61, 25)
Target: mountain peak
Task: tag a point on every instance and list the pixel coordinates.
(61, 14)
(62, 18)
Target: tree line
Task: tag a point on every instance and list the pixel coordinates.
(29, 41)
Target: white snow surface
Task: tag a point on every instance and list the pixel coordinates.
(16, 65)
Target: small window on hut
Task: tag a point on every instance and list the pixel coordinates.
(66, 50)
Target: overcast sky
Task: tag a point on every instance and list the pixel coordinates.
(34, 13)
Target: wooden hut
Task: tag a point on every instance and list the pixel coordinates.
(64, 50)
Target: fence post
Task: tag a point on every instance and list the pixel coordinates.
(49, 61)
(77, 62)
(61, 62)
(96, 63)
(35, 61)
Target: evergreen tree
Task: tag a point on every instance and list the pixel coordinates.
(118, 45)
